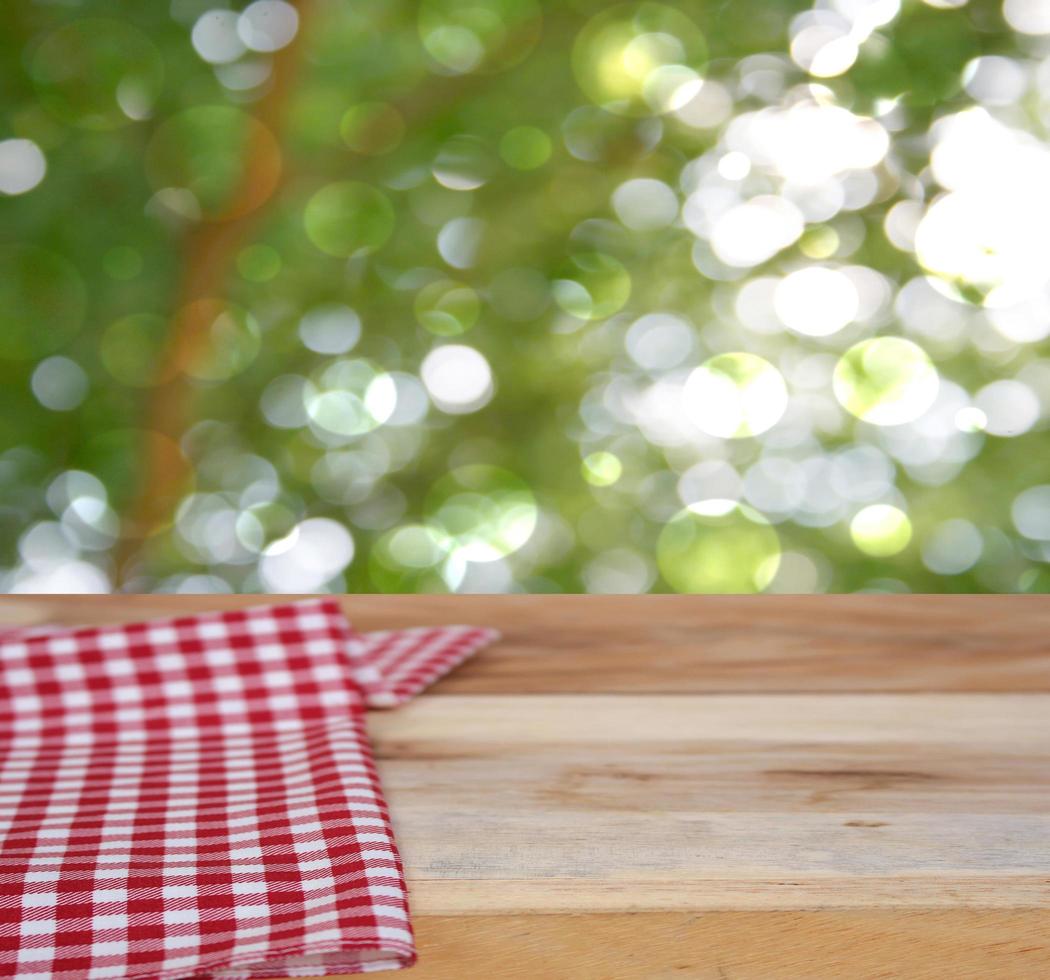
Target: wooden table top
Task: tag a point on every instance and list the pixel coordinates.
(767, 788)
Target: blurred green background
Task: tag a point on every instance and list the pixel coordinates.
(497, 295)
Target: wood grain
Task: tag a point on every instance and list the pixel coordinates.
(831, 945)
(708, 802)
(722, 788)
(678, 644)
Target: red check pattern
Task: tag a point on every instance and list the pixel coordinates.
(395, 665)
(197, 796)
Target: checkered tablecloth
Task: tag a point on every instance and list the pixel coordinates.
(197, 796)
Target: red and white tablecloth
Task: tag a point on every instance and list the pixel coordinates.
(197, 796)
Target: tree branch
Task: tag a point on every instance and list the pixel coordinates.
(210, 248)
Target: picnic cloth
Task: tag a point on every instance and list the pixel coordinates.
(197, 797)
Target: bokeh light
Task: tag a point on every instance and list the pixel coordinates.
(348, 398)
(592, 286)
(639, 58)
(348, 218)
(22, 166)
(658, 341)
(447, 308)
(1027, 16)
(718, 546)
(485, 512)
(644, 204)
(215, 38)
(1031, 512)
(816, 301)
(880, 530)
(952, 547)
(267, 25)
(259, 263)
(457, 378)
(226, 339)
(97, 74)
(602, 469)
(330, 329)
(735, 395)
(485, 35)
(525, 147)
(464, 163)
(308, 558)
(886, 381)
(752, 232)
(513, 295)
(195, 160)
(59, 383)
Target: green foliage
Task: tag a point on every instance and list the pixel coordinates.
(506, 295)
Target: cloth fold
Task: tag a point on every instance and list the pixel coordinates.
(197, 796)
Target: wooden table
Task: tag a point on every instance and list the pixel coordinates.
(773, 788)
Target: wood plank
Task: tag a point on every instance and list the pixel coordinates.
(490, 722)
(715, 787)
(588, 802)
(676, 644)
(959, 944)
(816, 777)
(582, 896)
